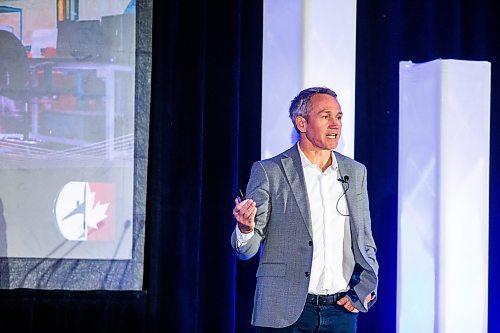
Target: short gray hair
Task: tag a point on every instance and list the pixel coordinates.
(301, 104)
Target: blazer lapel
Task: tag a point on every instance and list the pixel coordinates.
(292, 165)
(345, 169)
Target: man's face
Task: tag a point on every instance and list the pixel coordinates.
(324, 126)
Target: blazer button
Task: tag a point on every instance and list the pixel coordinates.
(307, 274)
(310, 243)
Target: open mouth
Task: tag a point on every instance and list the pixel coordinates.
(331, 136)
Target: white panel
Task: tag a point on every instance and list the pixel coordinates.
(465, 117)
(306, 43)
(281, 72)
(418, 158)
(443, 196)
(329, 56)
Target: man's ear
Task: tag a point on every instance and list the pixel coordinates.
(301, 123)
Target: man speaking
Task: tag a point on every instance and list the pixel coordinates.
(308, 209)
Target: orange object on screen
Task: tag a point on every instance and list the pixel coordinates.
(49, 52)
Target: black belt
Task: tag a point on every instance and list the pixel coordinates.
(324, 299)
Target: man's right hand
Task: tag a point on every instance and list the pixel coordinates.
(244, 213)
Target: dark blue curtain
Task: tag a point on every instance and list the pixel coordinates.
(204, 135)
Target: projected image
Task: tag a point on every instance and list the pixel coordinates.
(67, 82)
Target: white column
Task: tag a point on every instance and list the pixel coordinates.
(329, 56)
(444, 126)
(306, 43)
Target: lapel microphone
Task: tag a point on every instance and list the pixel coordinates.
(344, 180)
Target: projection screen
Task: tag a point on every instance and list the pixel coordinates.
(67, 83)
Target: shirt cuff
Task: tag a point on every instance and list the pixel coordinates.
(243, 238)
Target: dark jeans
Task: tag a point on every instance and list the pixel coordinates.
(319, 319)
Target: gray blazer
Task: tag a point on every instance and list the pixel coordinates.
(283, 226)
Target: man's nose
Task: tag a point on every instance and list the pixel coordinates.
(334, 123)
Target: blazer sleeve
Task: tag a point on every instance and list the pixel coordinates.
(369, 281)
(371, 248)
(257, 190)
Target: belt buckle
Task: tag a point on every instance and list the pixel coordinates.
(322, 300)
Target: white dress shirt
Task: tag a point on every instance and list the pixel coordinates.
(328, 226)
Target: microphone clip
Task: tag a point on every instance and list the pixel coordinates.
(344, 180)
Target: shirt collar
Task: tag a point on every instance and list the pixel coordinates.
(306, 163)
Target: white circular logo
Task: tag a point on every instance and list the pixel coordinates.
(76, 210)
